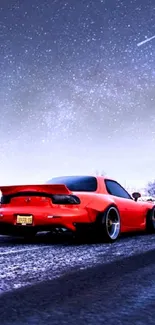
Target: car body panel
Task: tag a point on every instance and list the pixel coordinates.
(132, 213)
(47, 216)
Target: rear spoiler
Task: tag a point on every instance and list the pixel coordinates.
(47, 188)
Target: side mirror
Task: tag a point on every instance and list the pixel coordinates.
(136, 196)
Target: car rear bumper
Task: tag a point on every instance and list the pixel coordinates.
(42, 220)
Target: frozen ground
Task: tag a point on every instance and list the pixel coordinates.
(59, 282)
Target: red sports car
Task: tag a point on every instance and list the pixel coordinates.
(76, 203)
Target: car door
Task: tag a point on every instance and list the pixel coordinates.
(131, 212)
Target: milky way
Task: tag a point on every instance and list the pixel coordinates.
(76, 92)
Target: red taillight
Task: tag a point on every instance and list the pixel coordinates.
(55, 198)
(65, 199)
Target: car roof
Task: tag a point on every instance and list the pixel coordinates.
(105, 177)
(98, 177)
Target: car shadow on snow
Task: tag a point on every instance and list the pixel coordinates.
(65, 239)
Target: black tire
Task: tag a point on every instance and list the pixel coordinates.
(150, 221)
(108, 225)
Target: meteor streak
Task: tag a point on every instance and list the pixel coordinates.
(146, 40)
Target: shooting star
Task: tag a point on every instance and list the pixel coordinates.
(146, 40)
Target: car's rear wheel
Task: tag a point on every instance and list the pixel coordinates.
(109, 225)
(150, 221)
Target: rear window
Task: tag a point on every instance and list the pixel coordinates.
(77, 183)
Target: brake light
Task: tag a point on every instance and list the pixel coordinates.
(56, 198)
(65, 199)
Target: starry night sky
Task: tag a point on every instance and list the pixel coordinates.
(76, 92)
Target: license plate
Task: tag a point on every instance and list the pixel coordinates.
(24, 220)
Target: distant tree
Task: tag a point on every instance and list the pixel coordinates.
(150, 189)
(98, 173)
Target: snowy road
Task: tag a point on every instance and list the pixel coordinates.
(34, 277)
